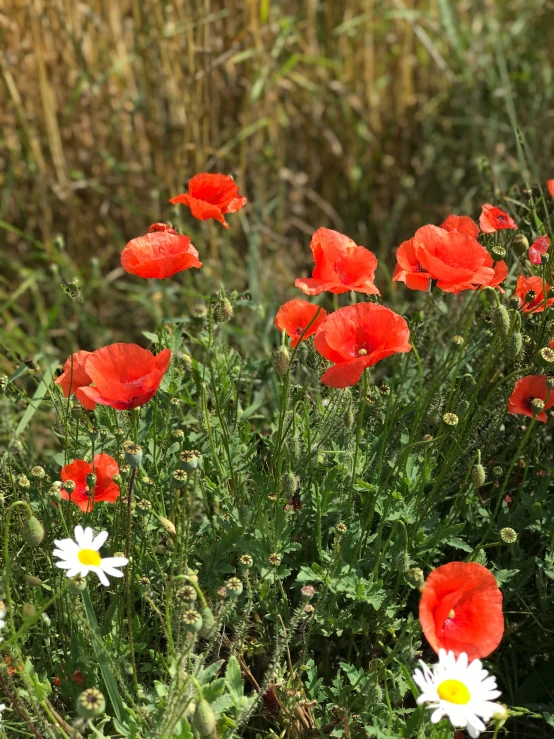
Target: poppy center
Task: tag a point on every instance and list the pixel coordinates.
(299, 330)
(454, 691)
(452, 613)
(364, 349)
(89, 557)
(419, 268)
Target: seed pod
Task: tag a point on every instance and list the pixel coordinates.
(307, 592)
(234, 587)
(501, 321)
(90, 480)
(520, 244)
(69, 486)
(208, 623)
(133, 454)
(190, 459)
(281, 360)
(77, 585)
(179, 479)
(246, 561)
(478, 475)
(23, 482)
(498, 252)
(508, 535)
(450, 419)
(192, 621)
(33, 532)
(91, 704)
(545, 357)
(203, 721)
(537, 406)
(38, 472)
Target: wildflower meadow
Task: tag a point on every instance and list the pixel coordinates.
(349, 537)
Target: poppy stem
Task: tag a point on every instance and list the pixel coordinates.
(357, 447)
(128, 577)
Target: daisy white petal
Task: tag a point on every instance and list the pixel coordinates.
(99, 540)
(102, 577)
(114, 562)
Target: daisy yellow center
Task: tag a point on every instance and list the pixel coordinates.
(89, 557)
(453, 691)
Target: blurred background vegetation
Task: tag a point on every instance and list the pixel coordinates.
(368, 116)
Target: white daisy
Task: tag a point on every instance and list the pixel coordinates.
(463, 692)
(2, 619)
(81, 556)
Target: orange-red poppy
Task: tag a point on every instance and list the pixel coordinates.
(74, 377)
(160, 254)
(211, 196)
(359, 336)
(461, 610)
(530, 292)
(408, 268)
(125, 375)
(500, 272)
(340, 266)
(294, 316)
(461, 225)
(494, 219)
(538, 248)
(550, 187)
(457, 261)
(525, 391)
(105, 489)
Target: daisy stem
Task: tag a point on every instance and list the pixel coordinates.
(128, 578)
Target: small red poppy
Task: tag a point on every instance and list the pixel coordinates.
(461, 610)
(74, 377)
(408, 268)
(105, 490)
(294, 316)
(494, 219)
(550, 187)
(78, 677)
(125, 375)
(530, 292)
(539, 247)
(340, 266)
(457, 261)
(461, 225)
(211, 196)
(525, 391)
(359, 336)
(160, 254)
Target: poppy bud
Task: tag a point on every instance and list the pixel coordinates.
(458, 340)
(178, 434)
(208, 623)
(204, 721)
(245, 514)
(68, 486)
(281, 360)
(33, 581)
(415, 575)
(160, 549)
(234, 587)
(307, 592)
(515, 345)
(501, 712)
(508, 535)
(520, 244)
(168, 525)
(545, 357)
(33, 532)
(23, 481)
(478, 475)
(289, 482)
(498, 252)
(192, 621)
(28, 611)
(91, 704)
(133, 454)
(501, 321)
(223, 311)
(38, 472)
(190, 459)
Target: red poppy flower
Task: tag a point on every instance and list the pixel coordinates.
(409, 270)
(461, 225)
(550, 186)
(340, 266)
(538, 247)
(530, 292)
(461, 610)
(500, 272)
(161, 253)
(125, 375)
(74, 377)
(357, 337)
(456, 260)
(211, 196)
(294, 316)
(525, 391)
(493, 219)
(104, 467)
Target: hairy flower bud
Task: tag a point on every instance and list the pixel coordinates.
(478, 475)
(515, 345)
(281, 360)
(208, 623)
(289, 481)
(33, 581)
(33, 532)
(501, 321)
(223, 311)
(168, 525)
(204, 721)
(520, 244)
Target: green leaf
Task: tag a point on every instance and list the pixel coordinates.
(37, 399)
(214, 689)
(234, 678)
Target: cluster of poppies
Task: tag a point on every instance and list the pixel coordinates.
(461, 616)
